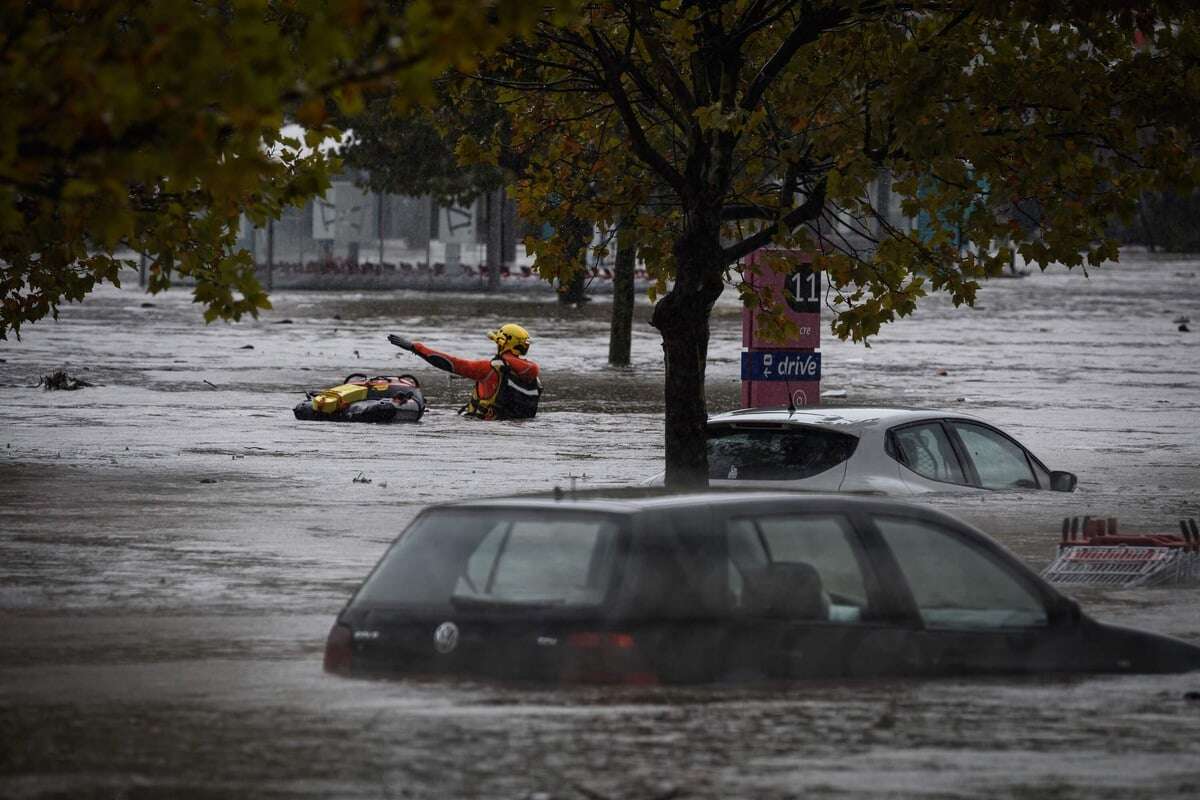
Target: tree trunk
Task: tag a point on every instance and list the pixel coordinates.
(270, 255)
(579, 237)
(1147, 231)
(682, 317)
(883, 202)
(509, 234)
(620, 338)
(379, 225)
(495, 242)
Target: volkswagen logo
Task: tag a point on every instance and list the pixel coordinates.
(445, 638)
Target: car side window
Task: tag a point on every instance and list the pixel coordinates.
(798, 566)
(926, 450)
(1040, 472)
(1000, 462)
(956, 585)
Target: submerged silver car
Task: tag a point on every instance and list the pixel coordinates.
(876, 450)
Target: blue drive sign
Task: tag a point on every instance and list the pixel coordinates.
(780, 365)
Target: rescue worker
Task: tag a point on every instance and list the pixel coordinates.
(506, 386)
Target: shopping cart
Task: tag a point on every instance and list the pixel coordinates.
(1093, 553)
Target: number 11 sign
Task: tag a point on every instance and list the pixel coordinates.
(775, 373)
(802, 290)
(789, 276)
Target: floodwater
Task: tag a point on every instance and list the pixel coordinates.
(174, 546)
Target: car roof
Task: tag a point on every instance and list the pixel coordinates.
(843, 418)
(636, 500)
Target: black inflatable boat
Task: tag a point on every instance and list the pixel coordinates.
(359, 398)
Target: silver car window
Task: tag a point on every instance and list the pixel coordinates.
(926, 450)
(775, 453)
(954, 584)
(1000, 462)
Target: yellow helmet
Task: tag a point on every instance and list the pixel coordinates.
(512, 338)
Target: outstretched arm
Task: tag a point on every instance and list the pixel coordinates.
(474, 369)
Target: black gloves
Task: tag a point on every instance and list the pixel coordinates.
(400, 341)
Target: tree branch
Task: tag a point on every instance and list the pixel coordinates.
(654, 50)
(809, 209)
(806, 31)
(637, 136)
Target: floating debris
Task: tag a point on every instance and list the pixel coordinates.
(62, 381)
(246, 347)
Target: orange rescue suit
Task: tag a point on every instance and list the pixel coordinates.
(486, 372)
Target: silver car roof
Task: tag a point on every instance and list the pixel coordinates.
(848, 419)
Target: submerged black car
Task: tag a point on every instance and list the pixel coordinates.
(717, 587)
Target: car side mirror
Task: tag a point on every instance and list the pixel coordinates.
(1063, 481)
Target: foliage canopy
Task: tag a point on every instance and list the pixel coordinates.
(724, 126)
(150, 127)
(409, 150)
(1002, 126)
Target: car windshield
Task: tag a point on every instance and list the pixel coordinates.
(490, 559)
(775, 453)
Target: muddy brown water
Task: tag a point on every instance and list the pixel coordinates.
(174, 546)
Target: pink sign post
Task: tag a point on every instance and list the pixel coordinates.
(774, 371)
